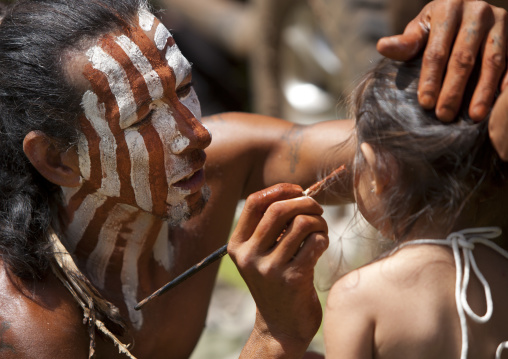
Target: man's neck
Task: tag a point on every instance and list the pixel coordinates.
(114, 245)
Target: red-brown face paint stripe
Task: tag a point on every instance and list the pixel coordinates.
(99, 83)
(181, 113)
(116, 261)
(157, 168)
(138, 85)
(154, 145)
(95, 181)
(153, 142)
(85, 247)
(157, 60)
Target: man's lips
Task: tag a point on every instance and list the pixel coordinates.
(193, 182)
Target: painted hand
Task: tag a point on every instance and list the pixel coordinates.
(498, 125)
(454, 33)
(277, 242)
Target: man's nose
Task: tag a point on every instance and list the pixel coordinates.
(191, 128)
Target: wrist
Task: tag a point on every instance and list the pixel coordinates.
(269, 342)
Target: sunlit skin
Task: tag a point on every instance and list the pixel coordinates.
(399, 304)
(248, 153)
(129, 250)
(140, 157)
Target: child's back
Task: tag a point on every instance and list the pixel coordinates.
(403, 306)
(417, 178)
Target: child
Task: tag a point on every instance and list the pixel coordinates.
(438, 190)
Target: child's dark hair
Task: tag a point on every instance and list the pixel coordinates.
(439, 166)
(34, 95)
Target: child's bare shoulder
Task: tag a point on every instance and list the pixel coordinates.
(390, 295)
(402, 271)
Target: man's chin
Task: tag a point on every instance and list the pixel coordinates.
(191, 207)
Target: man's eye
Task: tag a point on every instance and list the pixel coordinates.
(143, 121)
(184, 90)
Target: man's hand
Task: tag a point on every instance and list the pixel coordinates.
(276, 244)
(498, 125)
(455, 32)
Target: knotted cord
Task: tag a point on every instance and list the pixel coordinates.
(465, 240)
(86, 296)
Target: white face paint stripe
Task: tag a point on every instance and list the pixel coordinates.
(68, 192)
(140, 169)
(163, 250)
(96, 114)
(146, 19)
(118, 82)
(192, 103)
(129, 274)
(165, 125)
(161, 36)
(152, 79)
(178, 63)
(98, 260)
(85, 166)
(176, 167)
(180, 169)
(82, 217)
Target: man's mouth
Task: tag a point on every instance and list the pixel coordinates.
(192, 182)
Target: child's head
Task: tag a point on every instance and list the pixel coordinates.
(411, 168)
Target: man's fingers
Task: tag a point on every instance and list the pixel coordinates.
(278, 218)
(297, 235)
(478, 16)
(312, 249)
(498, 126)
(444, 25)
(493, 67)
(406, 46)
(256, 206)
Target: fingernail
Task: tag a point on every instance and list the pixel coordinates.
(427, 101)
(445, 114)
(478, 113)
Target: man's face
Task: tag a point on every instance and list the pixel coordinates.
(142, 142)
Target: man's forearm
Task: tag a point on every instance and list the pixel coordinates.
(261, 344)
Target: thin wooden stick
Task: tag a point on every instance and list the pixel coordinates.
(219, 253)
(320, 186)
(312, 191)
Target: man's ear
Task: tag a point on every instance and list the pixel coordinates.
(379, 171)
(58, 167)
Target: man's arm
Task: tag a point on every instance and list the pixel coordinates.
(266, 151)
(453, 33)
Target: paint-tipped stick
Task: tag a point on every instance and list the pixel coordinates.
(312, 191)
(320, 186)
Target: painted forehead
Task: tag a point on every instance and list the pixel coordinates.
(135, 68)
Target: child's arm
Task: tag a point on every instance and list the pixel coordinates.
(348, 323)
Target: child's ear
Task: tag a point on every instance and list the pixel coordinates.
(58, 167)
(379, 171)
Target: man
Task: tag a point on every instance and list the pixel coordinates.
(103, 108)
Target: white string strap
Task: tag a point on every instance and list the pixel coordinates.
(465, 241)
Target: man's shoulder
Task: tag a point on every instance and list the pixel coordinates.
(39, 319)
